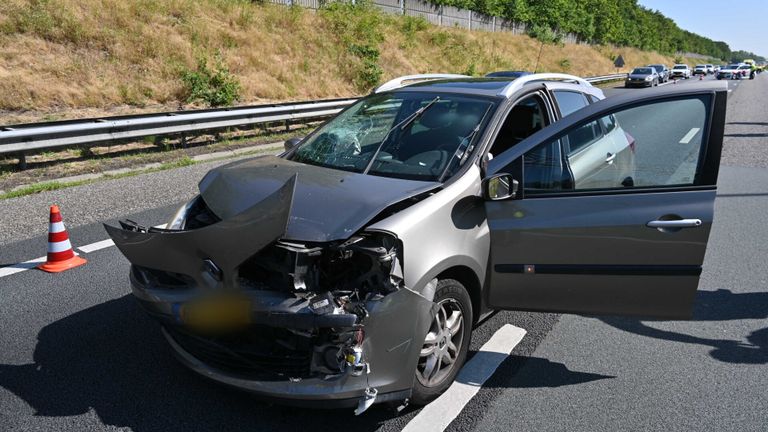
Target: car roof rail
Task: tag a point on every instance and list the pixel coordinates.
(518, 83)
(411, 79)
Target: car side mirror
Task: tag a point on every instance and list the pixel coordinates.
(500, 187)
(290, 144)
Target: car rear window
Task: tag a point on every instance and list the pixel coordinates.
(570, 102)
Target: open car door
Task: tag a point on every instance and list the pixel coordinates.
(630, 241)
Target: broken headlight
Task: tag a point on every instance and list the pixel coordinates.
(179, 218)
(368, 263)
(194, 214)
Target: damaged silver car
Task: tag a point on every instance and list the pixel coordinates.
(351, 269)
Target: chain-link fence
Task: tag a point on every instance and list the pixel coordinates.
(447, 16)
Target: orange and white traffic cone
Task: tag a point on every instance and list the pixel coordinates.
(61, 256)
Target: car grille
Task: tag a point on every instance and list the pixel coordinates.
(262, 353)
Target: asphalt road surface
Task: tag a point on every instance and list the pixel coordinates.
(76, 352)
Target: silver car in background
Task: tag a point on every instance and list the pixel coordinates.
(642, 77)
(352, 268)
(681, 71)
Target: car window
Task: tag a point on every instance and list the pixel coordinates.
(425, 147)
(583, 137)
(526, 118)
(569, 101)
(630, 151)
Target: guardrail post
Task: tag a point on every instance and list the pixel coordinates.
(493, 24)
(469, 21)
(402, 7)
(22, 161)
(183, 140)
(440, 16)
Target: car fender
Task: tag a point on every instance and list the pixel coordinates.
(445, 230)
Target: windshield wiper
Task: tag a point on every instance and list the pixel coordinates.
(402, 125)
(465, 140)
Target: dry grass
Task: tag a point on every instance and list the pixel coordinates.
(75, 58)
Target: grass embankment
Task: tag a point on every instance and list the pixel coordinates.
(75, 58)
(84, 58)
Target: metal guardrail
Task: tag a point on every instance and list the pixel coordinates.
(38, 136)
(605, 78)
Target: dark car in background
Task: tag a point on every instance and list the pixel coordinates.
(507, 74)
(662, 70)
(642, 77)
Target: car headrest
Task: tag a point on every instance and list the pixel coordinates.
(437, 116)
(523, 118)
(467, 117)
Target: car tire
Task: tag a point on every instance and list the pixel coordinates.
(452, 297)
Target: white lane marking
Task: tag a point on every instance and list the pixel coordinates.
(442, 411)
(97, 246)
(20, 267)
(689, 136)
(26, 265)
(730, 91)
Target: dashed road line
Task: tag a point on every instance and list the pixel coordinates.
(689, 136)
(27, 265)
(436, 416)
(97, 246)
(20, 267)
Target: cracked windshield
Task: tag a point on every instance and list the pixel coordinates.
(412, 136)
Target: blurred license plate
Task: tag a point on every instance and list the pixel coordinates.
(219, 313)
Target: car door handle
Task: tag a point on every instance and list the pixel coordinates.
(680, 223)
(609, 158)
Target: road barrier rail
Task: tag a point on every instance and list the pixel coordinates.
(24, 138)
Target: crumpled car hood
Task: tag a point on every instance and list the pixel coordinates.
(327, 205)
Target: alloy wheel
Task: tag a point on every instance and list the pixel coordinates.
(442, 345)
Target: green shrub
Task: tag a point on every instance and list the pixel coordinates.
(565, 64)
(471, 69)
(369, 72)
(44, 18)
(545, 34)
(412, 25)
(439, 38)
(358, 28)
(216, 86)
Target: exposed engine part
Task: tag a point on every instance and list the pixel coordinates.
(354, 356)
(323, 304)
(342, 352)
(351, 271)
